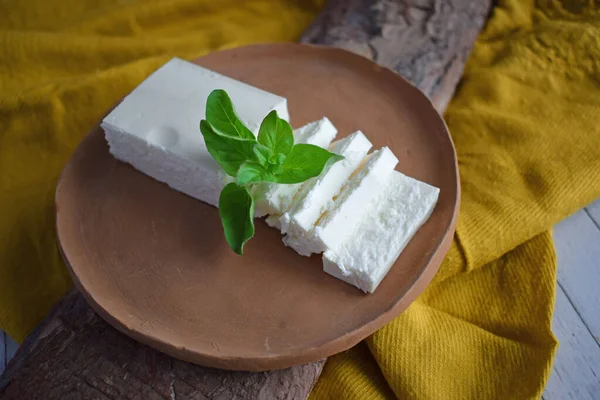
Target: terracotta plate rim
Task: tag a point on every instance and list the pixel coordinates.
(285, 359)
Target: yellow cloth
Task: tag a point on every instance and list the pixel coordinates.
(525, 126)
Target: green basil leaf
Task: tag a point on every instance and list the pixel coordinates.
(305, 161)
(236, 207)
(278, 159)
(275, 169)
(222, 117)
(276, 134)
(228, 152)
(252, 172)
(263, 154)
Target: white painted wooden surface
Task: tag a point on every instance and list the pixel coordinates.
(10, 347)
(3, 357)
(576, 324)
(576, 368)
(577, 241)
(594, 212)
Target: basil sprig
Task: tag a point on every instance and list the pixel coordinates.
(270, 157)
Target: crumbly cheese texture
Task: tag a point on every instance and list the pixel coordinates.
(156, 127)
(273, 198)
(394, 216)
(316, 195)
(341, 218)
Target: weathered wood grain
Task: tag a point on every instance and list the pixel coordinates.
(426, 41)
(74, 352)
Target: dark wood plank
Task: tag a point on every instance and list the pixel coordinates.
(75, 352)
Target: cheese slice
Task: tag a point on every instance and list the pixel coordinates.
(316, 195)
(156, 127)
(395, 215)
(340, 219)
(271, 198)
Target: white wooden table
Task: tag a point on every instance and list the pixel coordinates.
(576, 323)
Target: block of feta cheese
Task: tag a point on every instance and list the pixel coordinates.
(156, 127)
(273, 198)
(348, 207)
(364, 258)
(316, 195)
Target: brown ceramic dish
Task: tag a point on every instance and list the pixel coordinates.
(154, 263)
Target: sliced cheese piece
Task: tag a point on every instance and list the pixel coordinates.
(316, 195)
(395, 215)
(320, 133)
(273, 221)
(340, 219)
(273, 198)
(156, 127)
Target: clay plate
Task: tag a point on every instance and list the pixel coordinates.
(154, 263)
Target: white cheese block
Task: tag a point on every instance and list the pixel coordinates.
(156, 127)
(274, 221)
(341, 218)
(316, 195)
(394, 216)
(273, 198)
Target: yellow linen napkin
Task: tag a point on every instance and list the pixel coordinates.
(525, 127)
